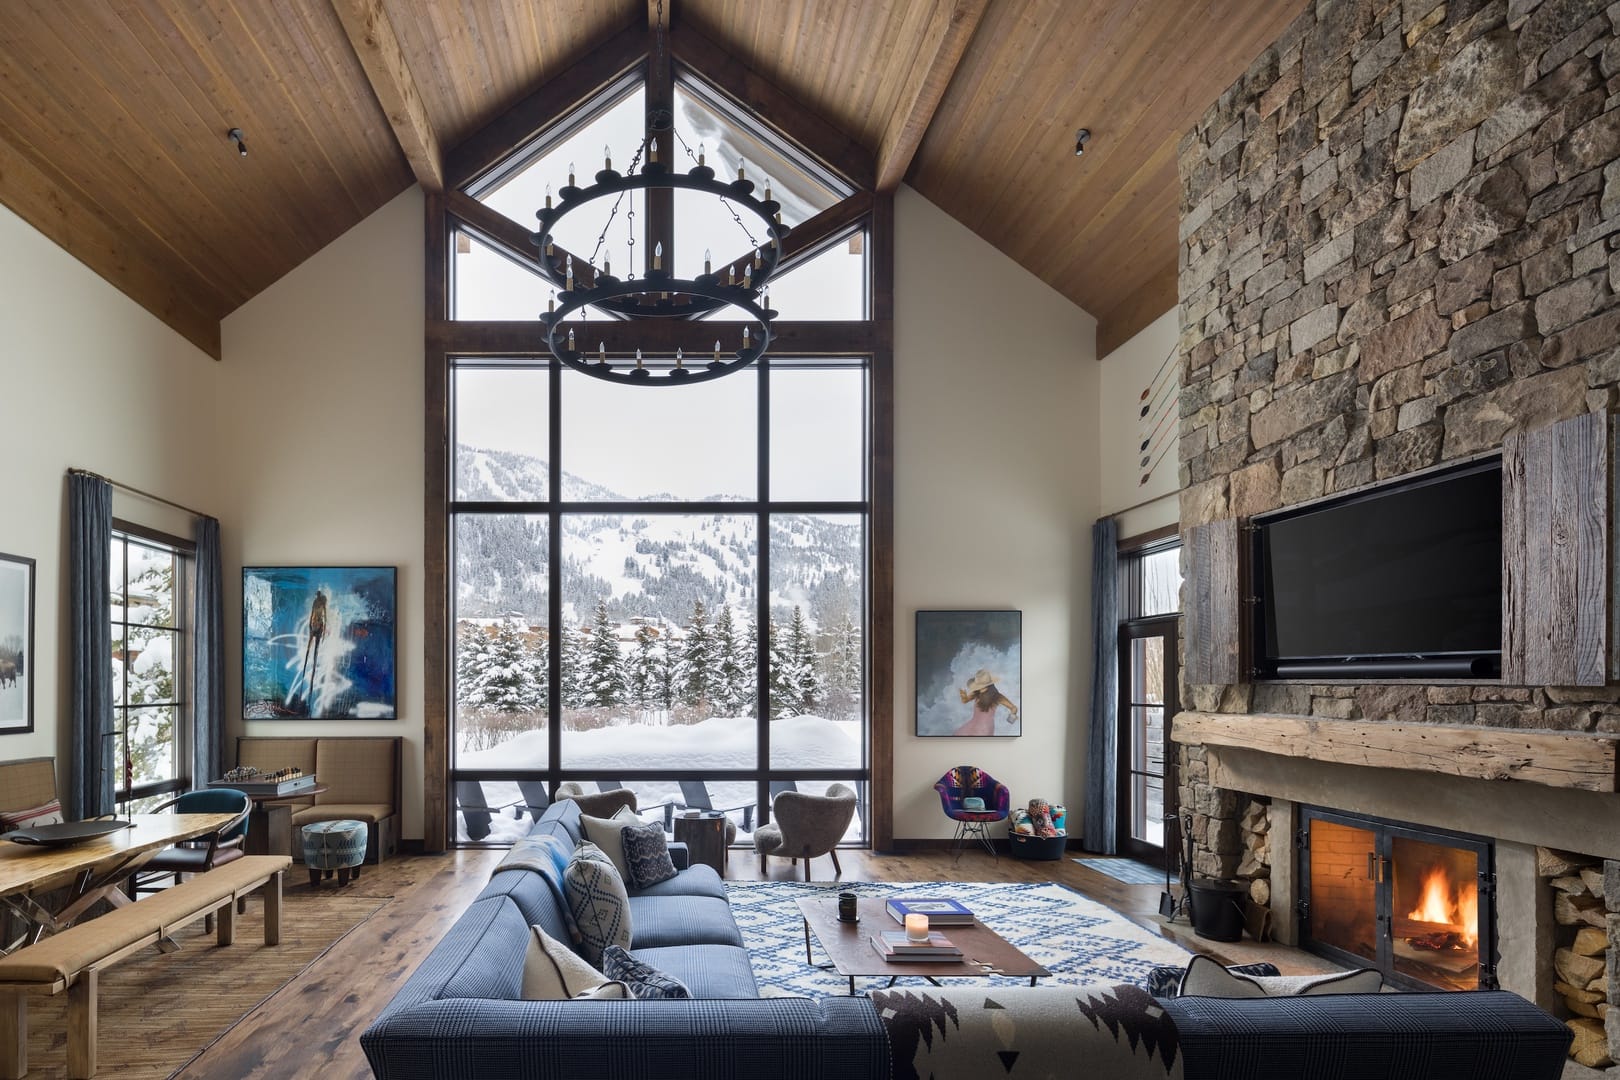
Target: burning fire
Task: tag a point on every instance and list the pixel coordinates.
(1451, 905)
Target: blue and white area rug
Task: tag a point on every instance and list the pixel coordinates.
(1076, 939)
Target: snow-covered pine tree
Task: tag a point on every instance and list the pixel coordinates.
(641, 670)
(803, 683)
(573, 668)
(511, 676)
(472, 648)
(778, 684)
(750, 661)
(734, 670)
(604, 683)
(696, 672)
(847, 666)
(665, 677)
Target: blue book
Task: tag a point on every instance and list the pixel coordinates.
(941, 911)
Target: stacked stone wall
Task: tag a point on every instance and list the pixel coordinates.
(1400, 243)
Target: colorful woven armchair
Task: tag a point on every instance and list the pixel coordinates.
(970, 782)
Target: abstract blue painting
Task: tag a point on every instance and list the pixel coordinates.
(318, 643)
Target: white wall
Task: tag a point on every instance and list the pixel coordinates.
(89, 379)
(996, 488)
(322, 395)
(1126, 372)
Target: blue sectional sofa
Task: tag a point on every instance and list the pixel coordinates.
(460, 1016)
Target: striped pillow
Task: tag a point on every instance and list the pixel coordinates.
(48, 814)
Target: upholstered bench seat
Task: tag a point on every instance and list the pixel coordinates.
(699, 880)
(657, 921)
(370, 813)
(709, 971)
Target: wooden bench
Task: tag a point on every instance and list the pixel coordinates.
(73, 959)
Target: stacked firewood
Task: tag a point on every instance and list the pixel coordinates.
(1581, 960)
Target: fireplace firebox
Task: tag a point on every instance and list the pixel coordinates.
(1412, 902)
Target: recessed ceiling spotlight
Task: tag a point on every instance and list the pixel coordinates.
(235, 135)
(1081, 137)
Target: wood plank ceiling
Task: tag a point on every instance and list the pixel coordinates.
(113, 120)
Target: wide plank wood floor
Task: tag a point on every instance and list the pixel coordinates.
(313, 1024)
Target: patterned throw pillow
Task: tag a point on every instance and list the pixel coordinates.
(645, 981)
(48, 814)
(1165, 982)
(553, 972)
(597, 901)
(1207, 978)
(647, 855)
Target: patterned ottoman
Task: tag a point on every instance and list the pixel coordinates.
(334, 845)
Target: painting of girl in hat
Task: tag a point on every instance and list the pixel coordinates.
(969, 673)
(982, 694)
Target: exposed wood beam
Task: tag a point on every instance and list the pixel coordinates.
(777, 109)
(924, 90)
(576, 84)
(377, 47)
(54, 206)
(1561, 759)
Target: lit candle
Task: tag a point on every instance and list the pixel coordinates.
(551, 303)
(916, 928)
(638, 359)
(570, 340)
(700, 153)
(717, 349)
(658, 255)
(745, 337)
(758, 259)
(570, 286)
(742, 169)
(767, 191)
(748, 277)
(680, 358)
(570, 174)
(548, 196)
(601, 352)
(706, 258)
(607, 157)
(652, 151)
(607, 266)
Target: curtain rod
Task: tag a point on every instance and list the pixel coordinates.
(1144, 502)
(137, 491)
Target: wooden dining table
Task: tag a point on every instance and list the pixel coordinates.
(91, 871)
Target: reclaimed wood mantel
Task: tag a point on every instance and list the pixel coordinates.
(1562, 759)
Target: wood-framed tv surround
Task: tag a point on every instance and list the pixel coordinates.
(1556, 581)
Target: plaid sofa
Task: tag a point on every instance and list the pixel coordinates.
(459, 1015)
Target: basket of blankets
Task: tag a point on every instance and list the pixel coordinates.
(1038, 832)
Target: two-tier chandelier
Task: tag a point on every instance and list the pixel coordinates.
(659, 293)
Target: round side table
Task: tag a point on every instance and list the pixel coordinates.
(705, 839)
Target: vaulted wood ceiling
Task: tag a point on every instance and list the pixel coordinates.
(113, 120)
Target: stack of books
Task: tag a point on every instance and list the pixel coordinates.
(941, 911)
(894, 945)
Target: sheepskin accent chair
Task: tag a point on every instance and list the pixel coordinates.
(804, 826)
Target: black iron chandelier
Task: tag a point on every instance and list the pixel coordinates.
(658, 293)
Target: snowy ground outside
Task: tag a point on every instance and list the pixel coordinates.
(798, 742)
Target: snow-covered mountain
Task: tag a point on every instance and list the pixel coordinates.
(647, 566)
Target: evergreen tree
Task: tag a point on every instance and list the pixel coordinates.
(472, 651)
(641, 675)
(697, 661)
(509, 676)
(733, 667)
(778, 684)
(573, 668)
(665, 678)
(749, 649)
(846, 667)
(800, 679)
(604, 682)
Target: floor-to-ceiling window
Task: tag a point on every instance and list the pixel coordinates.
(151, 657)
(668, 589)
(1150, 605)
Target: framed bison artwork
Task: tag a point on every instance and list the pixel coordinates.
(16, 644)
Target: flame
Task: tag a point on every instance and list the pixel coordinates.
(1453, 905)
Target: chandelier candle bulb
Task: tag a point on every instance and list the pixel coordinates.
(570, 286)
(748, 277)
(745, 337)
(717, 349)
(607, 266)
(607, 158)
(658, 256)
(917, 928)
(638, 359)
(551, 302)
(742, 170)
(548, 196)
(767, 191)
(570, 174)
(700, 153)
(680, 358)
(601, 352)
(570, 339)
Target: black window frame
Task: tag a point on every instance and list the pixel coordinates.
(185, 552)
(1134, 625)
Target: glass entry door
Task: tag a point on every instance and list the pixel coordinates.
(1147, 701)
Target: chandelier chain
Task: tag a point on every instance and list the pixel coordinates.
(723, 200)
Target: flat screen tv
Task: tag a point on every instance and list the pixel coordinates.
(1403, 581)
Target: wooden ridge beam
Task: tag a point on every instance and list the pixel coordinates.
(574, 85)
(794, 122)
(1579, 760)
(173, 293)
(525, 337)
(924, 90)
(378, 50)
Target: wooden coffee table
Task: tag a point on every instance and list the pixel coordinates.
(847, 945)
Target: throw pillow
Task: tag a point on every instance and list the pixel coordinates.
(597, 901)
(553, 972)
(1207, 978)
(1165, 982)
(608, 834)
(608, 991)
(646, 855)
(48, 814)
(644, 980)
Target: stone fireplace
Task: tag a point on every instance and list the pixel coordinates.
(1399, 248)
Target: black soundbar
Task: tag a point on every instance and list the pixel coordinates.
(1438, 667)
